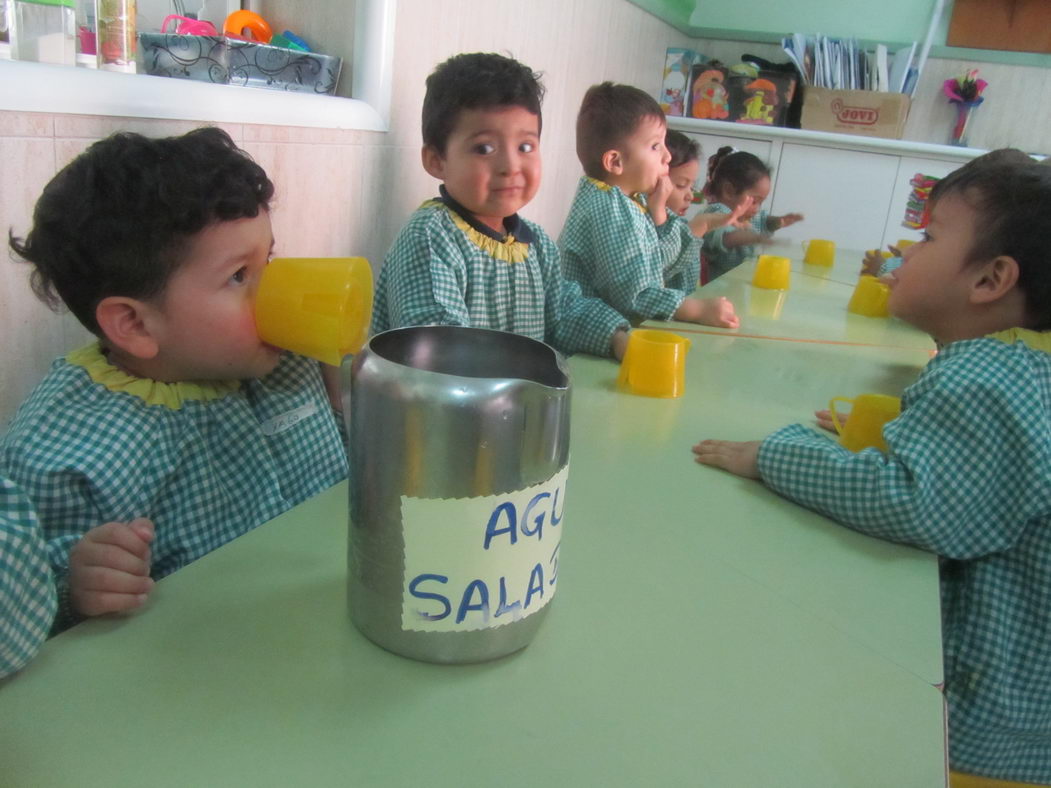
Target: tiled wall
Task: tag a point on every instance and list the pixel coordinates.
(347, 192)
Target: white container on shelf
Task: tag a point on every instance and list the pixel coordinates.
(43, 31)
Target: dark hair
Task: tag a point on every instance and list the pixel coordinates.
(737, 169)
(117, 219)
(681, 148)
(608, 114)
(480, 80)
(1012, 205)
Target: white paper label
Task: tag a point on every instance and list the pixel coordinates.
(477, 563)
(287, 421)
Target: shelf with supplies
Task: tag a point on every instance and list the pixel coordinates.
(40, 87)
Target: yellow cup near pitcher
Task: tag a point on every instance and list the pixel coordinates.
(316, 306)
(654, 364)
(869, 298)
(863, 428)
(772, 273)
(819, 252)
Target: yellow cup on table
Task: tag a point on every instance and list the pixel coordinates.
(654, 364)
(863, 428)
(869, 298)
(316, 306)
(819, 252)
(772, 272)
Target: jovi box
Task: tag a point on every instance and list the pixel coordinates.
(865, 112)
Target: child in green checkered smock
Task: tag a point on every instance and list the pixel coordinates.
(738, 179)
(179, 429)
(467, 258)
(620, 242)
(967, 472)
(27, 589)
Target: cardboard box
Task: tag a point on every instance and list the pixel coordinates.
(864, 112)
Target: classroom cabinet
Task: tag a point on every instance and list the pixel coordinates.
(844, 195)
(851, 190)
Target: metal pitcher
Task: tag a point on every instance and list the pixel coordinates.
(459, 451)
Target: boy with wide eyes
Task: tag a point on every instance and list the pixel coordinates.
(467, 258)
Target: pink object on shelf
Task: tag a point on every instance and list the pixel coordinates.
(189, 27)
(87, 41)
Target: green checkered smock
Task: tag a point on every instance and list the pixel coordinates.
(27, 590)
(720, 258)
(967, 476)
(611, 246)
(681, 253)
(206, 462)
(446, 268)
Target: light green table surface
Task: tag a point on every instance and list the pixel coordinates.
(704, 633)
(814, 308)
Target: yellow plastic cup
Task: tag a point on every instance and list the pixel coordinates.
(654, 364)
(772, 273)
(863, 428)
(869, 298)
(819, 252)
(316, 306)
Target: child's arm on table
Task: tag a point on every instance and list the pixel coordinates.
(911, 494)
(109, 568)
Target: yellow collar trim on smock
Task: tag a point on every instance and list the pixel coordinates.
(152, 392)
(1037, 340)
(510, 250)
(607, 187)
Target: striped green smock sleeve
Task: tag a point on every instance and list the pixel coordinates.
(27, 589)
(967, 476)
(609, 245)
(680, 254)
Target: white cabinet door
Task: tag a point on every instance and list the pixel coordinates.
(907, 169)
(710, 144)
(845, 195)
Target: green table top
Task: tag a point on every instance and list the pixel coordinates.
(814, 308)
(705, 632)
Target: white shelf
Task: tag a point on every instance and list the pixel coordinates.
(850, 141)
(38, 87)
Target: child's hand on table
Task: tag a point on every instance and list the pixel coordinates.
(737, 457)
(824, 419)
(717, 312)
(109, 568)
